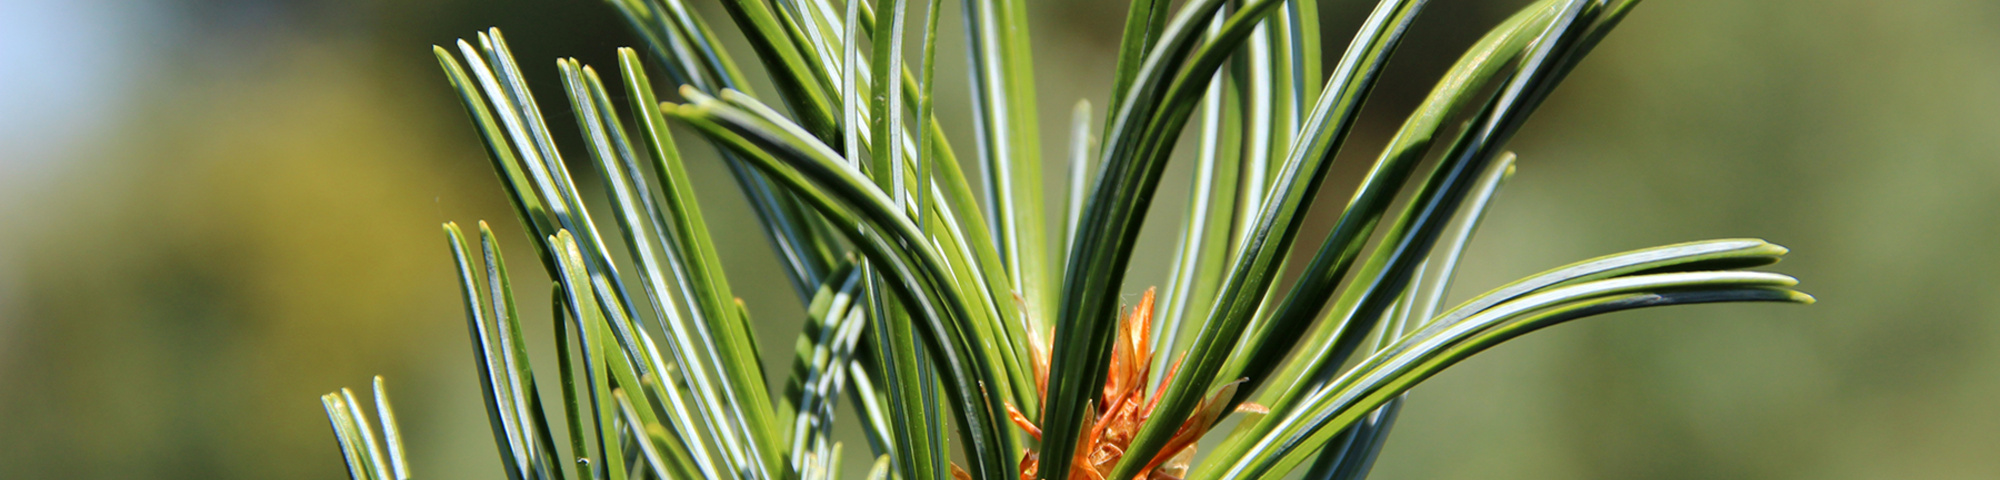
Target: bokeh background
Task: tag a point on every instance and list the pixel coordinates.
(212, 211)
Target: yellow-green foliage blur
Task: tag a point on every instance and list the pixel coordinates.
(246, 216)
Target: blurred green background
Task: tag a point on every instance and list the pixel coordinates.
(212, 211)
